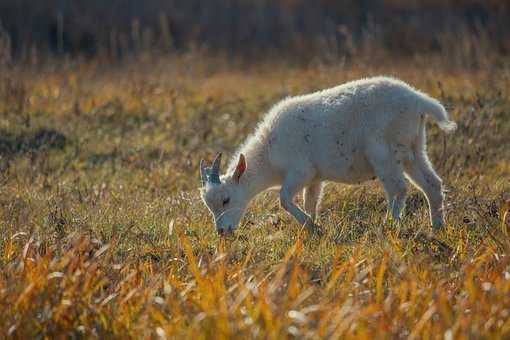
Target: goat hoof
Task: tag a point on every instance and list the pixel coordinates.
(314, 229)
(437, 224)
(318, 231)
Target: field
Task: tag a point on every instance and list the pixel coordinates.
(104, 235)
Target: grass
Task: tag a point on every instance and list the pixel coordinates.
(104, 234)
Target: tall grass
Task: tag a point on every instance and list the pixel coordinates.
(104, 234)
(292, 28)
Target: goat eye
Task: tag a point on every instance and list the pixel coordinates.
(226, 201)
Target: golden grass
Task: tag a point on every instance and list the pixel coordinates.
(104, 234)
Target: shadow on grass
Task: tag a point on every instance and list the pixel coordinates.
(33, 141)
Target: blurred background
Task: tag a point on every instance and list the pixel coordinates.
(116, 29)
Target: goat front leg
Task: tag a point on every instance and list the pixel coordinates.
(291, 185)
(311, 199)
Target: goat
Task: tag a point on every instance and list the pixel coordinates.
(358, 131)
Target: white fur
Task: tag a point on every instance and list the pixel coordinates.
(365, 129)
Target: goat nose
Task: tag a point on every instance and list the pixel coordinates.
(221, 231)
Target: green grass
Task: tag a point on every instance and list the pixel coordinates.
(104, 233)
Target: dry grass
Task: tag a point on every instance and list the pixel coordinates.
(104, 234)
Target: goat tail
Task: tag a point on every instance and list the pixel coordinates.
(433, 108)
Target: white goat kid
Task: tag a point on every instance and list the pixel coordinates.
(351, 133)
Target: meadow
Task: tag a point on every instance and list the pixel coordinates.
(104, 235)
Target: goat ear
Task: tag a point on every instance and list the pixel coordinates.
(240, 168)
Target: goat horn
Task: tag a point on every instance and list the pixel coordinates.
(215, 169)
(203, 172)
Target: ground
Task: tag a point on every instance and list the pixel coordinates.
(104, 233)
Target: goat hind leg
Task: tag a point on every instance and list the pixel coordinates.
(390, 172)
(396, 194)
(422, 175)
